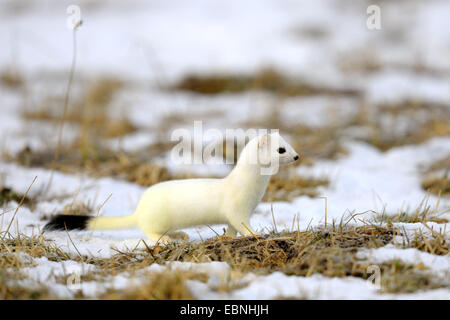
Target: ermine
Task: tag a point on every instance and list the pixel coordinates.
(178, 204)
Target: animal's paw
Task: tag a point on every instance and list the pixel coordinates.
(163, 240)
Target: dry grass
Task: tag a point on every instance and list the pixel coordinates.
(133, 168)
(330, 252)
(398, 277)
(13, 292)
(78, 208)
(365, 61)
(7, 195)
(283, 188)
(438, 186)
(293, 253)
(392, 125)
(396, 124)
(436, 179)
(437, 245)
(11, 79)
(16, 254)
(33, 246)
(317, 143)
(418, 217)
(87, 153)
(441, 164)
(101, 163)
(167, 285)
(267, 79)
(404, 123)
(91, 111)
(312, 143)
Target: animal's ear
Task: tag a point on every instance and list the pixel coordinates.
(263, 140)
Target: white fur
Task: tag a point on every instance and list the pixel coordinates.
(177, 204)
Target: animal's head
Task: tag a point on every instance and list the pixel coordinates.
(274, 151)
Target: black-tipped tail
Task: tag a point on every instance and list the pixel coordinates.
(69, 222)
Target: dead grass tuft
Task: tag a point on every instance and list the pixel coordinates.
(300, 253)
(405, 123)
(317, 143)
(16, 253)
(104, 163)
(436, 177)
(330, 252)
(14, 292)
(11, 79)
(437, 245)
(418, 217)
(101, 162)
(11, 249)
(90, 110)
(398, 277)
(78, 208)
(424, 213)
(266, 79)
(101, 92)
(167, 285)
(283, 188)
(441, 164)
(7, 195)
(437, 185)
(312, 143)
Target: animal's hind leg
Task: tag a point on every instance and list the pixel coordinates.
(155, 236)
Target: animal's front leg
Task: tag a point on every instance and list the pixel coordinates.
(242, 225)
(231, 232)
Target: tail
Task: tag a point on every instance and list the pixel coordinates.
(74, 222)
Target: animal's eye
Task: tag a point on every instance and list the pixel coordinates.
(281, 150)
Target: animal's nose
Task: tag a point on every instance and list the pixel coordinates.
(296, 157)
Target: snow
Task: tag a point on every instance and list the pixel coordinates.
(439, 264)
(365, 180)
(138, 37)
(279, 285)
(44, 272)
(275, 285)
